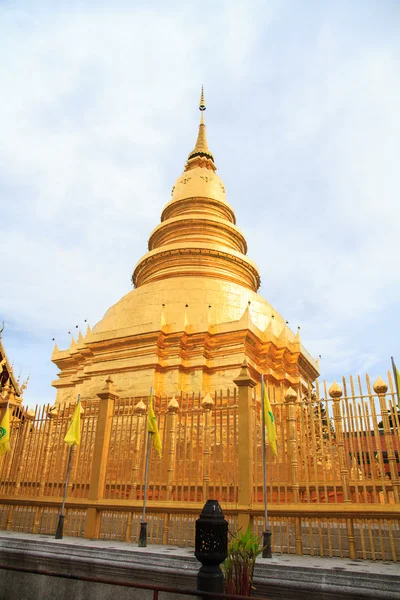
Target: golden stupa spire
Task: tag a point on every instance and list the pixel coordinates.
(201, 149)
(197, 235)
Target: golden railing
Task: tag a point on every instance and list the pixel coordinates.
(333, 489)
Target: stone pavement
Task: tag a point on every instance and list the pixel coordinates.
(283, 576)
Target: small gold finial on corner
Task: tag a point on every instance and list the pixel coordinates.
(380, 387)
(335, 391)
(207, 402)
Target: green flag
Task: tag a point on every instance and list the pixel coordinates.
(5, 433)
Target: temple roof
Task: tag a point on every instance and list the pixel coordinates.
(6, 370)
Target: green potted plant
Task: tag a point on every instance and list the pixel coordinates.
(238, 568)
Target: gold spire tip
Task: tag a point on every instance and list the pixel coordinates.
(202, 105)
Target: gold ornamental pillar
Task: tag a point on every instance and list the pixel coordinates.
(336, 393)
(207, 404)
(100, 454)
(245, 384)
(52, 415)
(172, 416)
(290, 399)
(380, 388)
(20, 449)
(45, 462)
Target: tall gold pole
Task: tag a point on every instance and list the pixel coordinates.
(172, 413)
(290, 398)
(335, 392)
(207, 404)
(100, 455)
(51, 416)
(245, 384)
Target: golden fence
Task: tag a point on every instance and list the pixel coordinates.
(333, 489)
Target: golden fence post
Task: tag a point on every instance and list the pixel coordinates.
(207, 404)
(30, 417)
(172, 414)
(100, 454)
(380, 388)
(336, 393)
(290, 399)
(52, 415)
(245, 384)
(10, 397)
(36, 521)
(10, 515)
(129, 527)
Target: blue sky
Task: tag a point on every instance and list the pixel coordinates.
(99, 111)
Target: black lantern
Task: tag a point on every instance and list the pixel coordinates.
(211, 547)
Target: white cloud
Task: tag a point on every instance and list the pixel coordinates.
(99, 115)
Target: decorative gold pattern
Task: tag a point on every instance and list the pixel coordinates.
(329, 489)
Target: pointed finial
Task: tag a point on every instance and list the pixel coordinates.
(380, 387)
(244, 378)
(335, 391)
(291, 395)
(202, 105)
(108, 390)
(140, 408)
(207, 402)
(173, 406)
(201, 154)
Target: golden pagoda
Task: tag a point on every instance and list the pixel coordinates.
(195, 313)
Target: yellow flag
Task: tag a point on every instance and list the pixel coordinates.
(269, 422)
(74, 430)
(5, 433)
(153, 429)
